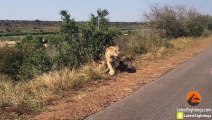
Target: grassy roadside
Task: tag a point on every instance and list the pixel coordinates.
(97, 96)
(22, 98)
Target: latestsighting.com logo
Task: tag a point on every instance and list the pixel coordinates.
(193, 98)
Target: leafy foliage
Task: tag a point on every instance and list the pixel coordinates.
(25, 60)
(96, 35)
(82, 43)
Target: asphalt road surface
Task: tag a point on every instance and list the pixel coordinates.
(160, 100)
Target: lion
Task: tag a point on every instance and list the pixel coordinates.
(112, 56)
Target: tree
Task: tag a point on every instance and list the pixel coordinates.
(85, 42)
(69, 25)
(97, 35)
(100, 20)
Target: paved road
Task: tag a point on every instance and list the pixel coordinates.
(159, 100)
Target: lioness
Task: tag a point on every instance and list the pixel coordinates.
(111, 56)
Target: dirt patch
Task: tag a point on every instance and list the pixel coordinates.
(99, 95)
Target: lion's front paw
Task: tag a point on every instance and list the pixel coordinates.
(112, 72)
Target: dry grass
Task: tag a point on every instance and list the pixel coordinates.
(17, 99)
(177, 45)
(30, 97)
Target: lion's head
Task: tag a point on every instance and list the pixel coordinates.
(115, 51)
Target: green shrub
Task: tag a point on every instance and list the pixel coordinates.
(36, 62)
(196, 30)
(24, 61)
(10, 61)
(95, 41)
(80, 44)
(210, 26)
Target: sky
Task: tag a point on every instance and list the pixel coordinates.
(120, 10)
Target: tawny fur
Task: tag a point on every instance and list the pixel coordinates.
(111, 56)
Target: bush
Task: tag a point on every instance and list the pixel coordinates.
(79, 44)
(210, 26)
(177, 21)
(35, 62)
(95, 39)
(24, 61)
(10, 61)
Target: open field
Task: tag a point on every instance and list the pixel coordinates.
(18, 27)
(10, 28)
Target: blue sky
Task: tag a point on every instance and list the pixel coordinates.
(120, 10)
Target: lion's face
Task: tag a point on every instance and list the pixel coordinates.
(115, 52)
